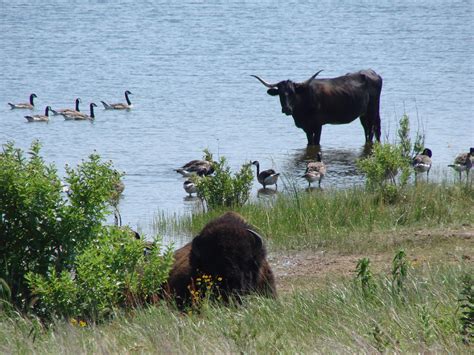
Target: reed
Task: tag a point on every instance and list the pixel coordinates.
(347, 220)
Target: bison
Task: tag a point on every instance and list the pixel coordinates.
(340, 100)
(229, 252)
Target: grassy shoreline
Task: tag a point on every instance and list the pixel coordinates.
(344, 220)
(330, 313)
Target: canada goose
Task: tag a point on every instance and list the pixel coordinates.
(119, 106)
(422, 163)
(463, 162)
(80, 116)
(266, 177)
(315, 171)
(40, 118)
(190, 187)
(66, 110)
(196, 167)
(29, 106)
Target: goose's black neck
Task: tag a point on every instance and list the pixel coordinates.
(126, 98)
(92, 110)
(46, 111)
(77, 105)
(32, 97)
(257, 164)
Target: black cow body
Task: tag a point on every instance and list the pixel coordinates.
(340, 100)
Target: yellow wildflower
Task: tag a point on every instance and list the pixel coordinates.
(82, 323)
(73, 321)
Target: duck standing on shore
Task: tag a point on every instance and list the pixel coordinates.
(463, 162)
(422, 163)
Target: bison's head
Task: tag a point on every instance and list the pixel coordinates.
(289, 92)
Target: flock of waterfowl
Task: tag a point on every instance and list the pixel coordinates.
(70, 114)
(315, 170)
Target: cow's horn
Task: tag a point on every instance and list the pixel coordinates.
(270, 86)
(257, 236)
(314, 76)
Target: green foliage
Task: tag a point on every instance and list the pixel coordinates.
(466, 305)
(364, 277)
(41, 228)
(224, 190)
(110, 272)
(390, 160)
(407, 148)
(328, 317)
(382, 165)
(400, 267)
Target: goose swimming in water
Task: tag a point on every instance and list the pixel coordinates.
(315, 171)
(40, 118)
(266, 177)
(80, 116)
(196, 167)
(422, 163)
(67, 110)
(28, 106)
(463, 162)
(119, 106)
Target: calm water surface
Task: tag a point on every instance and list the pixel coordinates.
(188, 64)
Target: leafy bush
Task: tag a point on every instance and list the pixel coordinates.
(389, 160)
(111, 271)
(74, 264)
(382, 165)
(223, 189)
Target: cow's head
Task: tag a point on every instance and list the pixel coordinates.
(288, 92)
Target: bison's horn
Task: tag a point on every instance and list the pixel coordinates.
(257, 236)
(314, 76)
(270, 86)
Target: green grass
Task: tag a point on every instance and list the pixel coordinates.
(424, 317)
(327, 315)
(344, 220)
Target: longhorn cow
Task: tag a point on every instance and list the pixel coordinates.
(340, 100)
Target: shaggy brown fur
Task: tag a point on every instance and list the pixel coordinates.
(225, 249)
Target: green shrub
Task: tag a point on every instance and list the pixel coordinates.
(400, 266)
(364, 277)
(388, 161)
(41, 228)
(382, 165)
(112, 271)
(224, 190)
(466, 305)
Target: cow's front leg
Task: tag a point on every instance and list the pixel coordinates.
(309, 136)
(317, 135)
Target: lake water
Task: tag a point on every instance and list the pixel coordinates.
(188, 65)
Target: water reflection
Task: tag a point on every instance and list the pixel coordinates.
(314, 189)
(340, 164)
(264, 192)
